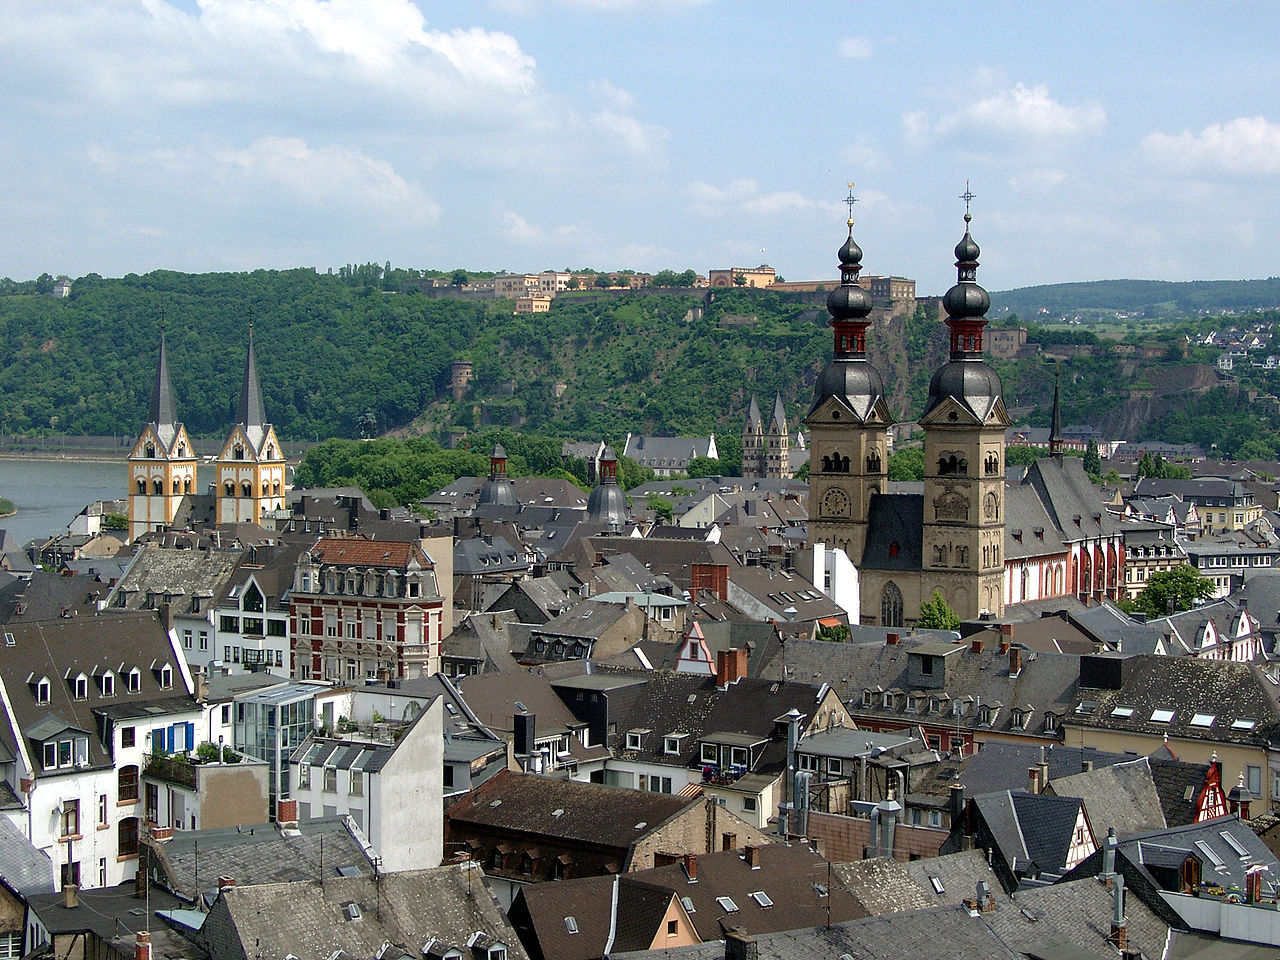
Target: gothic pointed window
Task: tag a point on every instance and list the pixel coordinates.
(151, 451)
(238, 452)
(891, 605)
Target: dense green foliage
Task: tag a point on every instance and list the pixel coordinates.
(1148, 296)
(1182, 587)
(362, 352)
(6, 507)
(936, 614)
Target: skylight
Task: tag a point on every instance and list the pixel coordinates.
(762, 898)
(1161, 716)
(936, 883)
(687, 903)
(1209, 853)
(1122, 712)
(1234, 844)
(727, 904)
(571, 924)
(1243, 724)
(1203, 720)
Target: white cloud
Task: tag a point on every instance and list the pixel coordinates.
(855, 48)
(519, 230)
(745, 196)
(1020, 113)
(1246, 146)
(1037, 181)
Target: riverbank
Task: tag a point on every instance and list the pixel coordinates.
(111, 449)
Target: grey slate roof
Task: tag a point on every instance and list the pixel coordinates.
(181, 573)
(1068, 493)
(1033, 827)
(25, 868)
(1178, 786)
(1028, 529)
(260, 854)
(419, 913)
(1123, 796)
(1076, 913)
(894, 519)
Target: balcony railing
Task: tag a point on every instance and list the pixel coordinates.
(176, 770)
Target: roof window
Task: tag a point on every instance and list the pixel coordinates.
(1161, 716)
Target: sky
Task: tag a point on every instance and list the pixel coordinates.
(1100, 140)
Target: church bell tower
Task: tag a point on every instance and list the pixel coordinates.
(251, 469)
(162, 465)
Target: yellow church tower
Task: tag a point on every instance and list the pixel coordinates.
(162, 465)
(251, 469)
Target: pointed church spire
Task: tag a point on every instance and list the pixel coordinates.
(1055, 428)
(162, 414)
(779, 415)
(250, 411)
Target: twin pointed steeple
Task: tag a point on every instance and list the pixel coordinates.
(250, 413)
(162, 411)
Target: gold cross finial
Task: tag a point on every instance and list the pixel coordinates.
(850, 200)
(967, 196)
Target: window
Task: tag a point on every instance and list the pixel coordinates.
(229, 624)
(806, 761)
(304, 776)
(71, 818)
(671, 745)
(673, 927)
(762, 898)
(834, 766)
(749, 804)
(186, 639)
(128, 837)
(204, 639)
(330, 780)
(133, 680)
(738, 756)
(709, 753)
(634, 739)
(891, 605)
(127, 785)
(102, 809)
(357, 784)
(42, 690)
(127, 736)
(166, 677)
(727, 904)
(82, 687)
(1253, 779)
(276, 628)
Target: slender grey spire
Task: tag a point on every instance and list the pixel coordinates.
(162, 414)
(250, 411)
(1055, 428)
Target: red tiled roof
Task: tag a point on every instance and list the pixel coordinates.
(366, 553)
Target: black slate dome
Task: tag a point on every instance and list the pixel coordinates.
(857, 383)
(967, 250)
(848, 302)
(966, 299)
(499, 491)
(972, 382)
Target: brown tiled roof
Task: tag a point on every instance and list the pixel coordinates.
(529, 805)
(358, 551)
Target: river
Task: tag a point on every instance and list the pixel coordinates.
(49, 493)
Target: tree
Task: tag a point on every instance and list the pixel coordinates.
(1182, 587)
(660, 506)
(459, 278)
(1092, 460)
(907, 464)
(936, 614)
(837, 634)
(739, 280)
(704, 467)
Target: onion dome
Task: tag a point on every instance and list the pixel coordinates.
(608, 501)
(849, 377)
(966, 376)
(498, 490)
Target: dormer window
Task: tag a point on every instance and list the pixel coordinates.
(80, 685)
(166, 677)
(866, 698)
(709, 753)
(108, 684)
(43, 690)
(133, 680)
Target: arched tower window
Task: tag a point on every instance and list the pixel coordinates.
(157, 486)
(238, 452)
(246, 488)
(151, 451)
(229, 488)
(186, 484)
(177, 485)
(891, 605)
(142, 487)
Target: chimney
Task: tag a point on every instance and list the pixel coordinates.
(957, 803)
(891, 639)
(1033, 779)
(161, 834)
(202, 687)
(70, 896)
(1006, 636)
(691, 867)
(731, 666)
(1015, 660)
(1044, 771)
(1086, 766)
(225, 881)
(287, 813)
(1119, 934)
(1253, 884)
(976, 644)
(752, 856)
(142, 949)
(985, 901)
(739, 946)
(1109, 853)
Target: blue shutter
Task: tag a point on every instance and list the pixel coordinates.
(191, 736)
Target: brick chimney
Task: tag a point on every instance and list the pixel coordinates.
(731, 666)
(891, 639)
(976, 644)
(142, 948)
(1015, 660)
(1006, 636)
(691, 867)
(70, 896)
(752, 856)
(225, 881)
(287, 813)
(161, 834)
(1033, 779)
(739, 946)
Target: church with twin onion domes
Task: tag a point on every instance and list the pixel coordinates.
(950, 536)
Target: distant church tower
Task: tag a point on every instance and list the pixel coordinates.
(964, 425)
(162, 465)
(251, 469)
(766, 451)
(849, 419)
